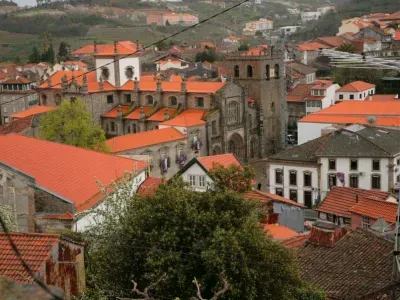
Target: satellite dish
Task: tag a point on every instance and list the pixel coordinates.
(371, 120)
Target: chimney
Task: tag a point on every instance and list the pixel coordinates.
(84, 87)
(136, 85)
(115, 47)
(183, 85)
(95, 46)
(158, 82)
(326, 234)
(142, 116)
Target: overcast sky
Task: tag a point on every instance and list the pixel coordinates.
(25, 2)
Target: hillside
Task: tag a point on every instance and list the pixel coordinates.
(354, 8)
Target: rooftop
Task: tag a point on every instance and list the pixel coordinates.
(35, 249)
(332, 41)
(144, 139)
(175, 86)
(311, 46)
(123, 48)
(159, 116)
(267, 197)
(16, 126)
(300, 93)
(50, 163)
(33, 111)
(188, 118)
(359, 263)
(300, 68)
(356, 86)
(295, 241)
(149, 186)
(225, 160)
(375, 209)
(280, 232)
(340, 199)
(135, 115)
(17, 80)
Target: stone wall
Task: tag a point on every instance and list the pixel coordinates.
(46, 202)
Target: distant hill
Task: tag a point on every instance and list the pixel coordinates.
(355, 8)
(7, 3)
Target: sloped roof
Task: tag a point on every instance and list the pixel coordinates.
(188, 118)
(300, 93)
(135, 115)
(340, 199)
(311, 46)
(144, 139)
(113, 113)
(267, 197)
(35, 249)
(18, 80)
(356, 86)
(64, 216)
(123, 48)
(175, 86)
(379, 97)
(358, 264)
(33, 111)
(332, 41)
(375, 209)
(280, 232)
(300, 68)
(50, 163)
(159, 116)
(225, 160)
(17, 125)
(149, 186)
(295, 241)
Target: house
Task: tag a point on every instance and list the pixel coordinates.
(200, 71)
(356, 156)
(28, 126)
(207, 45)
(373, 32)
(357, 90)
(376, 113)
(16, 95)
(353, 25)
(171, 18)
(288, 30)
(126, 47)
(281, 211)
(261, 25)
(196, 171)
(36, 182)
(353, 207)
(280, 233)
(307, 16)
(368, 46)
(55, 260)
(322, 96)
(231, 40)
(360, 263)
(332, 41)
(307, 53)
(300, 73)
(149, 186)
(75, 65)
(179, 64)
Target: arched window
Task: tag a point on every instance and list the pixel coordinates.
(273, 107)
(173, 101)
(277, 74)
(236, 71)
(128, 130)
(149, 99)
(113, 126)
(129, 72)
(267, 72)
(250, 122)
(249, 71)
(134, 129)
(44, 100)
(233, 112)
(232, 147)
(105, 73)
(57, 98)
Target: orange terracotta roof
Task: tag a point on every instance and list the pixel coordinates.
(123, 48)
(159, 115)
(76, 63)
(149, 186)
(379, 97)
(375, 208)
(33, 111)
(311, 46)
(257, 50)
(340, 199)
(296, 241)
(251, 100)
(207, 44)
(175, 86)
(135, 115)
(387, 113)
(18, 80)
(333, 41)
(113, 113)
(280, 232)
(49, 163)
(16, 126)
(299, 93)
(208, 162)
(35, 249)
(356, 86)
(188, 118)
(56, 78)
(267, 197)
(396, 36)
(144, 139)
(65, 216)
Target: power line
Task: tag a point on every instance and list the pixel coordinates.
(25, 265)
(143, 48)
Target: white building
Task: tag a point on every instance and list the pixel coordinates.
(288, 30)
(357, 156)
(196, 171)
(261, 25)
(163, 65)
(307, 16)
(357, 90)
(326, 9)
(322, 96)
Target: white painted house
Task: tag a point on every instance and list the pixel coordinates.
(357, 90)
(357, 156)
(307, 16)
(196, 171)
(322, 96)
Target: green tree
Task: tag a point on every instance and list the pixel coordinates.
(259, 33)
(234, 178)
(187, 235)
(63, 50)
(347, 47)
(243, 47)
(35, 55)
(72, 124)
(167, 23)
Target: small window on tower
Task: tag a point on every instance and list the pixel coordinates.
(249, 71)
(129, 72)
(105, 73)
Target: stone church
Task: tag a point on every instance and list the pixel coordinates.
(244, 115)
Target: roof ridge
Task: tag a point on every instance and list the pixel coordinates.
(31, 234)
(370, 140)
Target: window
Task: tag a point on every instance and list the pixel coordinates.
(129, 72)
(318, 104)
(5, 109)
(307, 179)
(214, 128)
(110, 99)
(200, 102)
(341, 96)
(149, 99)
(293, 178)
(312, 103)
(308, 103)
(365, 95)
(398, 162)
(267, 72)
(236, 71)
(112, 126)
(6, 120)
(293, 195)
(279, 192)
(308, 199)
(347, 221)
(351, 97)
(365, 222)
(192, 180)
(14, 109)
(321, 92)
(332, 164)
(250, 122)
(278, 176)
(277, 72)
(353, 181)
(173, 101)
(360, 96)
(331, 180)
(128, 98)
(233, 112)
(353, 164)
(105, 73)
(376, 165)
(376, 182)
(202, 181)
(249, 71)
(273, 107)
